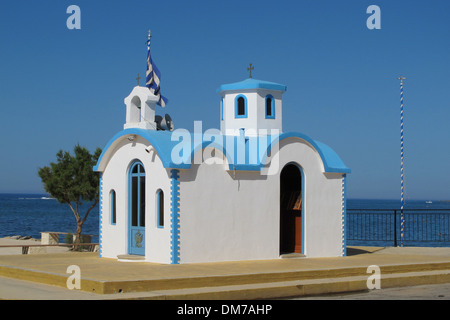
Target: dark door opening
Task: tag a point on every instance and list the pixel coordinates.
(136, 209)
(290, 209)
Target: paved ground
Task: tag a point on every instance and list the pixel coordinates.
(110, 269)
(13, 289)
(424, 292)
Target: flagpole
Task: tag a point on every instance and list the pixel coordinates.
(147, 84)
(402, 173)
(149, 37)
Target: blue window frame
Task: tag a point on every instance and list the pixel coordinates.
(137, 197)
(112, 197)
(270, 107)
(221, 109)
(160, 208)
(136, 209)
(240, 106)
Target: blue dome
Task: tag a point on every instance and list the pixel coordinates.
(252, 84)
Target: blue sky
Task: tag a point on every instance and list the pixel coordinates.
(60, 87)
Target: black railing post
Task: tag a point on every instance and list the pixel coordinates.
(395, 228)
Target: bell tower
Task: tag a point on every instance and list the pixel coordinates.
(250, 107)
(140, 104)
(142, 101)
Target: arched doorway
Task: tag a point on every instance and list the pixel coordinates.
(291, 204)
(136, 209)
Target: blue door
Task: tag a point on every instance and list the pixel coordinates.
(136, 209)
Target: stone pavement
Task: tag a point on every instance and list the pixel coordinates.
(422, 292)
(44, 276)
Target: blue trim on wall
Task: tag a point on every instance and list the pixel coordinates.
(160, 140)
(163, 144)
(272, 107)
(100, 242)
(175, 218)
(344, 213)
(236, 114)
(303, 208)
(331, 161)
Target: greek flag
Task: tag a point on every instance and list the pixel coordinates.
(153, 79)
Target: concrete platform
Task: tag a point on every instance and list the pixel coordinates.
(46, 275)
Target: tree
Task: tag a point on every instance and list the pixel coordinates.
(71, 180)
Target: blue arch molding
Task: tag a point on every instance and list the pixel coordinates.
(236, 107)
(242, 154)
(272, 107)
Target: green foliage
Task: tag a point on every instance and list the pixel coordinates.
(71, 180)
(68, 238)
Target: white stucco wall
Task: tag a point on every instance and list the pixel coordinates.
(322, 217)
(140, 109)
(269, 124)
(224, 215)
(114, 238)
(227, 215)
(255, 119)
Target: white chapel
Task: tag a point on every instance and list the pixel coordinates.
(246, 191)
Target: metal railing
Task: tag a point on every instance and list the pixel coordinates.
(429, 227)
(26, 247)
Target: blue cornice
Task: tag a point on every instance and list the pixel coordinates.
(164, 146)
(252, 84)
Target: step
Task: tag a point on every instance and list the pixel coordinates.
(286, 289)
(130, 258)
(153, 285)
(292, 255)
(178, 283)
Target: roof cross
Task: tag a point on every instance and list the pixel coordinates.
(250, 68)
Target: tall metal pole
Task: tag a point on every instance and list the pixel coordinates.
(402, 173)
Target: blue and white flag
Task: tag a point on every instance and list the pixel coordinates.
(153, 79)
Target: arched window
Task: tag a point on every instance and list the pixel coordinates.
(137, 188)
(160, 208)
(270, 107)
(135, 112)
(112, 196)
(241, 107)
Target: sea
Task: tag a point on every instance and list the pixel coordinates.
(31, 214)
(395, 204)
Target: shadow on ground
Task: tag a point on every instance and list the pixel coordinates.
(353, 251)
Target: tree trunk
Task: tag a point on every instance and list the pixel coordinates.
(77, 241)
